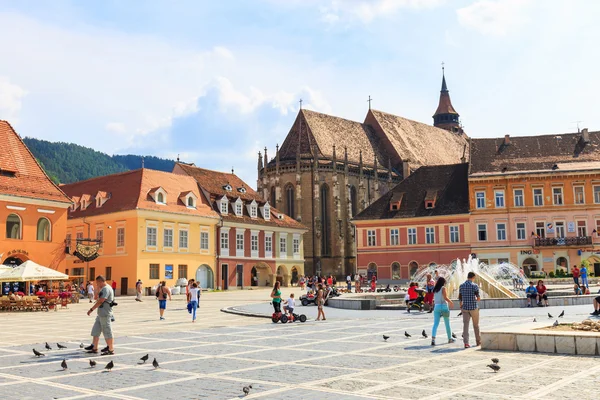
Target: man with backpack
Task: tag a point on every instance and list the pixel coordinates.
(162, 293)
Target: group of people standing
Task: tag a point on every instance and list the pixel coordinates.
(311, 282)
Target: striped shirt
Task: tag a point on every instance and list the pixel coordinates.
(468, 293)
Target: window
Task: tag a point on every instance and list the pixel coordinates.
(540, 229)
(120, 237)
(239, 241)
(597, 194)
(267, 211)
(394, 237)
(597, 227)
(325, 223)
(238, 209)
(521, 233)
(371, 241)
(482, 232)
(560, 229)
(296, 245)
(223, 206)
(168, 237)
(538, 197)
(68, 240)
(480, 199)
(501, 231)
(430, 235)
(519, 201)
(108, 274)
(353, 201)
(92, 273)
(151, 236)
(79, 236)
(499, 196)
(224, 240)
(412, 235)
(182, 271)
(13, 227)
(268, 243)
(203, 240)
(282, 246)
(183, 239)
(581, 228)
(557, 196)
(254, 242)
(253, 211)
(154, 273)
(579, 195)
(160, 198)
(190, 202)
(289, 197)
(43, 230)
(454, 234)
(100, 237)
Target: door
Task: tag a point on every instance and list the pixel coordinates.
(596, 269)
(240, 275)
(124, 282)
(204, 276)
(225, 276)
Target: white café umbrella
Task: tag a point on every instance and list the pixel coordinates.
(30, 271)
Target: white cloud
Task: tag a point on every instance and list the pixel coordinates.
(494, 17)
(116, 127)
(366, 11)
(11, 96)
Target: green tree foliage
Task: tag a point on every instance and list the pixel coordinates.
(68, 162)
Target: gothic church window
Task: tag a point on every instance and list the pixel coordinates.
(325, 223)
(353, 202)
(289, 200)
(272, 199)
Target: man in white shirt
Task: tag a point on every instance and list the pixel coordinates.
(90, 291)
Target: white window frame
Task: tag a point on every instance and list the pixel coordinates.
(561, 196)
(596, 194)
(267, 212)
(167, 246)
(482, 198)
(411, 234)
(501, 233)
(541, 196)
(584, 227)
(522, 230)
(239, 242)
(430, 235)
(520, 196)
(204, 240)
(394, 237)
(151, 237)
(296, 246)
(484, 225)
(575, 187)
(239, 207)
(120, 239)
(541, 228)
(371, 238)
(563, 229)
(183, 239)
(283, 246)
(224, 205)
(502, 198)
(224, 239)
(454, 231)
(254, 243)
(253, 211)
(268, 244)
(100, 236)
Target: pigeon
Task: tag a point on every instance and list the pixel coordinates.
(495, 360)
(48, 346)
(385, 338)
(109, 366)
(495, 367)
(424, 334)
(60, 346)
(246, 390)
(92, 363)
(63, 364)
(562, 314)
(555, 323)
(81, 346)
(550, 316)
(144, 359)
(37, 353)
(459, 314)
(453, 335)
(534, 320)
(406, 334)
(155, 363)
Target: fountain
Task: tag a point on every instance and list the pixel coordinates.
(494, 280)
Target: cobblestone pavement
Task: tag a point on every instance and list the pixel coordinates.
(341, 358)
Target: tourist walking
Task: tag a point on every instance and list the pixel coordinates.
(276, 297)
(114, 287)
(356, 283)
(90, 291)
(349, 283)
(583, 272)
(102, 325)
(320, 303)
(138, 290)
(468, 295)
(441, 309)
(194, 299)
(302, 282)
(162, 293)
(575, 272)
(187, 290)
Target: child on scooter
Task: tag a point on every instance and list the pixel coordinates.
(289, 305)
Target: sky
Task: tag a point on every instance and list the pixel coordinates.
(216, 81)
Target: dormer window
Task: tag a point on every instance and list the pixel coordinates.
(223, 205)
(101, 198)
(396, 201)
(160, 198)
(239, 207)
(228, 187)
(430, 198)
(429, 204)
(159, 195)
(242, 189)
(253, 209)
(266, 210)
(75, 205)
(191, 203)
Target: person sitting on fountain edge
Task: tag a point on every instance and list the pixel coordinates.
(531, 293)
(596, 306)
(541, 293)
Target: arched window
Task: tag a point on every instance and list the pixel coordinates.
(273, 200)
(413, 268)
(353, 201)
(289, 200)
(326, 228)
(395, 270)
(160, 198)
(13, 227)
(191, 202)
(43, 230)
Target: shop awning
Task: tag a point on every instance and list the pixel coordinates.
(30, 271)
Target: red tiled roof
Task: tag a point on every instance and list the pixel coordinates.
(20, 173)
(131, 190)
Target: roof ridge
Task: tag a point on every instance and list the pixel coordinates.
(104, 176)
(333, 116)
(536, 136)
(413, 120)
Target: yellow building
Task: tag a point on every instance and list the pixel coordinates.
(151, 225)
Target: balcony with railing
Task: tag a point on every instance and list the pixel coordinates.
(573, 241)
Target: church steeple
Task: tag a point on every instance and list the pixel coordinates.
(445, 116)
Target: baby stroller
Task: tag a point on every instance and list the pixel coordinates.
(418, 302)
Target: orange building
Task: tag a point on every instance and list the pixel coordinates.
(33, 210)
(152, 226)
(421, 222)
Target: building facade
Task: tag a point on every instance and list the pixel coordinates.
(256, 243)
(151, 225)
(33, 210)
(535, 201)
(423, 221)
(329, 169)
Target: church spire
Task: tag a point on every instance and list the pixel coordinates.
(445, 116)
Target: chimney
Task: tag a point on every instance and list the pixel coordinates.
(585, 136)
(506, 140)
(405, 168)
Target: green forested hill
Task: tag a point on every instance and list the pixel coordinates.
(68, 162)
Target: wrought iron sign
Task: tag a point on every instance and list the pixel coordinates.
(87, 249)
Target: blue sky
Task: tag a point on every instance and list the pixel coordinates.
(216, 81)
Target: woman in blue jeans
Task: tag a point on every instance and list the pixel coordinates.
(441, 309)
(194, 297)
